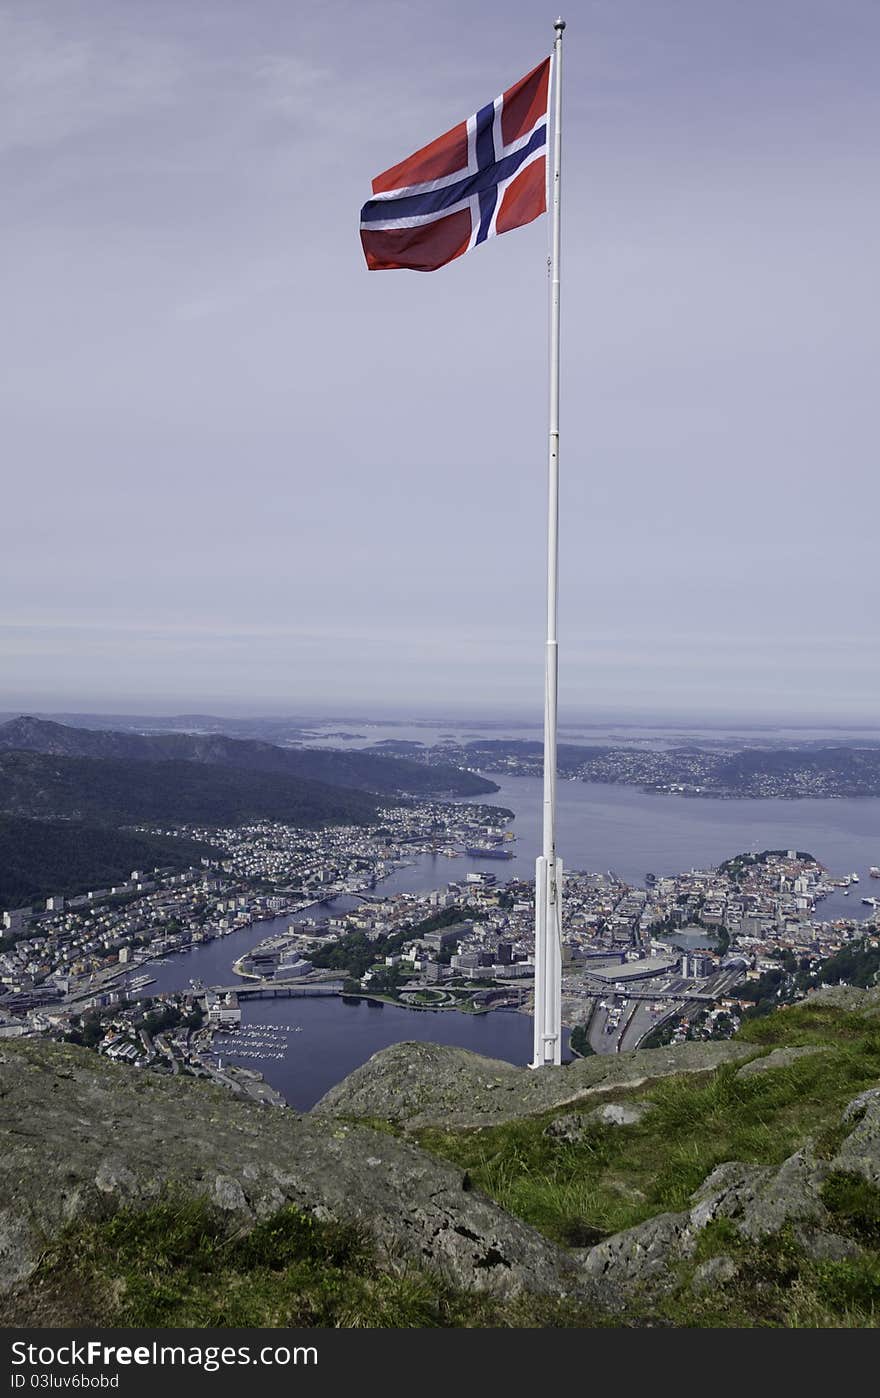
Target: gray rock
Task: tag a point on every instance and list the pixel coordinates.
(791, 1196)
(779, 1058)
(861, 1106)
(826, 1247)
(620, 1113)
(728, 1192)
(570, 1128)
(641, 1258)
(760, 1199)
(573, 1127)
(860, 1152)
(846, 997)
(81, 1137)
(714, 1273)
(414, 1084)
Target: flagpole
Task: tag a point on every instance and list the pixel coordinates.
(548, 869)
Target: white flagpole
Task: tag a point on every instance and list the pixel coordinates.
(548, 869)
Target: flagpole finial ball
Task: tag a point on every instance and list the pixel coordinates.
(559, 24)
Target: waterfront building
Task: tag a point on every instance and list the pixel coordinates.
(223, 1010)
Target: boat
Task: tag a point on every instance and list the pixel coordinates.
(854, 878)
(487, 852)
(874, 872)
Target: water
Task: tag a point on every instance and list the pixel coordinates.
(338, 1035)
(633, 833)
(650, 736)
(600, 828)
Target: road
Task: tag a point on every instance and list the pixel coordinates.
(635, 1013)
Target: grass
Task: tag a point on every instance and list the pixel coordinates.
(614, 1177)
(776, 1286)
(855, 1207)
(177, 1264)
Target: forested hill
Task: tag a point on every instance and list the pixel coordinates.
(354, 770)
(42, 857)
(116, 791)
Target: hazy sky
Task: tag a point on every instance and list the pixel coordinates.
(239, 470)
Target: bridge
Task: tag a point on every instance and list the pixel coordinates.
(594, 992)
(275, 990)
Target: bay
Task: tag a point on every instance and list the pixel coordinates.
(631, 832)
(326, 1039)
(601, 828)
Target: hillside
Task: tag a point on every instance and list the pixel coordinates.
(359, 771)
(720, 1185)
(796, 771)
(42, 857)
(119, 791)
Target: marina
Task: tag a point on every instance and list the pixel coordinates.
(254, 1043)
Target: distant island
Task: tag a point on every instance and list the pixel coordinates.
(798, 771)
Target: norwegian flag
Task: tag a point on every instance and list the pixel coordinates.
(485, 176)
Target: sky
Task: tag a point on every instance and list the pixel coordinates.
(241, 473)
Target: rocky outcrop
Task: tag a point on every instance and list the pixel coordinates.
(81, 1137)
(847, 997)
(415, 1085)
(715, 1272)
(759, 1200)
(641, 1258)
(574, 1127)
(860, 1152)
(779, 1058)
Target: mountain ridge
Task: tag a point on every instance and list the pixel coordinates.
(118, 791)
(355, 770)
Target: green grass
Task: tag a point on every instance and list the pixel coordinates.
(854, 1205)
(615, 1176)
(177, 1264)
(776, 1286)
(811, 1023)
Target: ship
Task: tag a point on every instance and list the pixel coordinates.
(488, 852)
(874, 871)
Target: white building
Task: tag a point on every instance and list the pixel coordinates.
(223, 1009)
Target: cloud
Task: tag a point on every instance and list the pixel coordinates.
(60, 79)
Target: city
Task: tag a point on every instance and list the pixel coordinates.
(676, 960)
